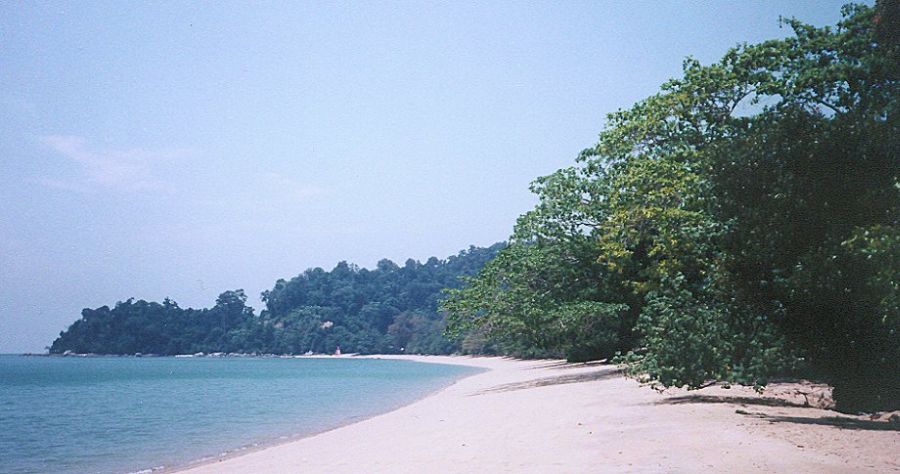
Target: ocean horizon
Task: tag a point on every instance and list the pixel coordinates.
(137, 414)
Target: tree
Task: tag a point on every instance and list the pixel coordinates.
(746, 215)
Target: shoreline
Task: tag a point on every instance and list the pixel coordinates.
(264, 445)
(551, 416)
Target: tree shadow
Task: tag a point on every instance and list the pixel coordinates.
(554, 364)
(559, 380)
(763, 401)
(840, 422)
(566, 365)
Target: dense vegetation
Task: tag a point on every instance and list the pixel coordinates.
(738, 224)
(389, 309)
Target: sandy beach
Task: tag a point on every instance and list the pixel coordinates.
(550, 416)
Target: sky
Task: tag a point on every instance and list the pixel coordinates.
(177, 149)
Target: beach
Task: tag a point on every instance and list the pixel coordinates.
(552, 416)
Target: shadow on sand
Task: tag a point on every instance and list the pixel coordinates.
(762, 401)
(840, 422)
(593, 376)
(561, 364)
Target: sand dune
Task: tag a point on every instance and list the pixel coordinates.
(549, 416)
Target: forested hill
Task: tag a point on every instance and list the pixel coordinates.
(385, 310)
(389, 309)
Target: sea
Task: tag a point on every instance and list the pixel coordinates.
(142, 414)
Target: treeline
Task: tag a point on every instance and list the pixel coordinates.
(132, 327)
(390, 309)
(741, 223)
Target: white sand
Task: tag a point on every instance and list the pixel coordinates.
(548, 416)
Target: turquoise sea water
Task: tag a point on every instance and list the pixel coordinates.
(111, 414)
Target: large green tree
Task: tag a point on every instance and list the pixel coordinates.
(746, 216)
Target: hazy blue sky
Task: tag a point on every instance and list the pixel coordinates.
(184, 149)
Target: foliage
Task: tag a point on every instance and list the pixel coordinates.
(153, 328)
(535, 300)
(690, 340)
(743, 221)
(388, 309)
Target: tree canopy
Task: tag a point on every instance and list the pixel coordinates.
(390, 309)
(740, 223)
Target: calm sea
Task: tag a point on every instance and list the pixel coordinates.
(69, 414)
